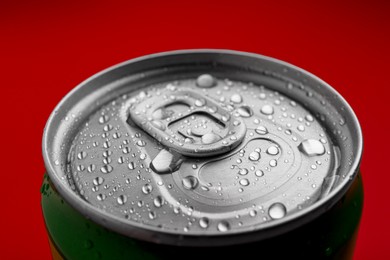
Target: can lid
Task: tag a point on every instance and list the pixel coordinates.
(219, 145)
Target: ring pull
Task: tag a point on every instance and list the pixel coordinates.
(188, 122)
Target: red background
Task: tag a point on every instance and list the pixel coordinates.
(48, 47)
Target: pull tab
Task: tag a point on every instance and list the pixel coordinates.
(188, 122)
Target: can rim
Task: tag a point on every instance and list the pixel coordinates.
(153, 234)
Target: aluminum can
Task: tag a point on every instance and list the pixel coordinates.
(198, 153)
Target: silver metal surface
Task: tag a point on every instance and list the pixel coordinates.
(167, 108)
(200, 146)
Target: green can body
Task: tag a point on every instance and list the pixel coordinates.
(329, 236)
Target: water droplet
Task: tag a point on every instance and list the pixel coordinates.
(107, 144)
(301, 128)
(233, 137)
(106, 168)
(161, 114)
(273, 163)
(101, 197)
(104, 119)
(225, 118)
(245, 111)
(244, 182)
(254, 156)
(312, 147)
(107, 128)
(158, 201)
(309, 118)
(158, 124)
(267, 110)
(107, 160)
(81, 155)
(206, 81)
(141, 143)
(131, 165)
(259, 173)
(107, 153)
(190, 182)
(243, 171)
(204, 222)
(236, 98)
(252, 213)
(126, 150)
(261, 130)
(277, 211)
(272, 150)
(176, 210)
(210, 138)
(223, 226)
(166, 162)
(91, 168)
(121, 160)
(204, 188)
(200, 102)
(236, 123)
(121, 199)
(98, 181)
(147, 188)
(152, 215)
(171, 86)
(213, 109)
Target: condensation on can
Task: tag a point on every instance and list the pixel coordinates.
(203, 148)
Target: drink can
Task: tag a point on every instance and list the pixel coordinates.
(200, 153)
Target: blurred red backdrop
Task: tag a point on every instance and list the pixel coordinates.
(48, 47)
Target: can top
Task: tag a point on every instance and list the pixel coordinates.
(221, 145)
